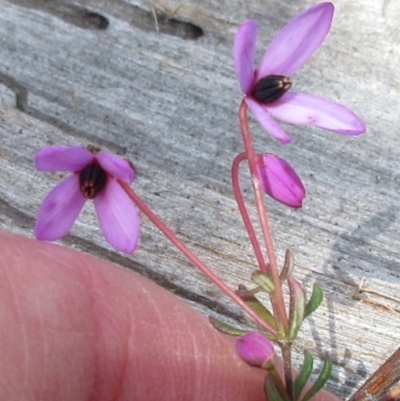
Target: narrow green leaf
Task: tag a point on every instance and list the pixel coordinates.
(322, 379)
(256, 305)
(226, 328)
(262, 280)
(288, 267)
(315, 300)
(297, 305)
(303, 375)
(271, 390)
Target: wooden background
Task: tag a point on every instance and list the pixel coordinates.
(163, 93)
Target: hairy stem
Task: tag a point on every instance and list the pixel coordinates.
(193, 258)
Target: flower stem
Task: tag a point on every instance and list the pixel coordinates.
(276, 296)
(193, 258)
(243, 211)
(286, 348)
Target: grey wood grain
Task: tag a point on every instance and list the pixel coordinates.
(97, 71)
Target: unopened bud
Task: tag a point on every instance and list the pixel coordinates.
(255, 349)
(280, 181)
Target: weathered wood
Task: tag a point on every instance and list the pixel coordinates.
(97, 71)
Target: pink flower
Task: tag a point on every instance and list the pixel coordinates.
(94, 177)
(280, 181)
(266, 88)
(255, 349)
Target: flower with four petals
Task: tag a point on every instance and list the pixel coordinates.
(94, 176)
(266, 88)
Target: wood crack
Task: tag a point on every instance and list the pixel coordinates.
(21, 102)
(71, 13)
(157, 19)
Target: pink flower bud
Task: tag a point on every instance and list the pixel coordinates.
(280, 181)
(255, 349)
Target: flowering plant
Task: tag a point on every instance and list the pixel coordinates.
(106, 179)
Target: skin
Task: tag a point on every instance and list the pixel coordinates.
(73, 327)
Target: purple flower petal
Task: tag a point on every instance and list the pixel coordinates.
(280, 181)
(297, 41)
(255, 349)
(59, 210)
(62, 158)
(244, 49)
(118, 218)
(267, 122)
(116, 166)
(304, 109)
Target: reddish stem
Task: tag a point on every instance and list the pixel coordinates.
(277, 296)
(243, 211)
(193, 258)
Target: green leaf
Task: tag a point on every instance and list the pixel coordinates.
(322, 379)
(315, 300)
(262, 280)
(256, 305)
(303, 375)
(297, 305)
(226, 328)
(271, 390)
(288, 267)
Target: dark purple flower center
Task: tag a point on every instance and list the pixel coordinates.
(92, 180)
(271, 88)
